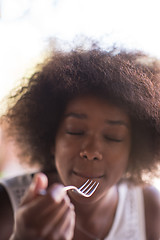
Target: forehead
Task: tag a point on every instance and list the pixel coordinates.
(95, 106)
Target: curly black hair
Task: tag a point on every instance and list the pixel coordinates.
(123, 78)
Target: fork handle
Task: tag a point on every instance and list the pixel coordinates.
(44, 192)
(70, 188)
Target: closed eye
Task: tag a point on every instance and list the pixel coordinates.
(74, 133)
(113, 139)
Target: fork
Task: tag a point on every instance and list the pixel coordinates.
(86, 190)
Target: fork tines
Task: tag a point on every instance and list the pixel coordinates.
(89, 187)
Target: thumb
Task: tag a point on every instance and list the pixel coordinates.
(39, 182)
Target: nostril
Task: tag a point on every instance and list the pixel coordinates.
(83, 155)
(90, 156)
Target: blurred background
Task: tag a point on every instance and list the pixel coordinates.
(28, 26)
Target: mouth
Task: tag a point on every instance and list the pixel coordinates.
(88, 175)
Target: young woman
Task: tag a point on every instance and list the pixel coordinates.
(86, 114)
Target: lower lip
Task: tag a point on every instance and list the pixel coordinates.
(87, 177)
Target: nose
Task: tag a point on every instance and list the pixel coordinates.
(90, 151)
(91, 156)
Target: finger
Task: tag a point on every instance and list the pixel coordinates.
(68, 225)
(54, 206)
(36, 223)
(39, 182)
(54, 215)
(43, 213)
(57, 192)
(43, 205)
(64, 228)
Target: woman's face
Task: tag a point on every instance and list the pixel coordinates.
(93, 141)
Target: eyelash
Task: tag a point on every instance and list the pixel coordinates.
(113, 139)
(74, 133)
(106, 137)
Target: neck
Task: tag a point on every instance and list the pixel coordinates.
(95, 219)
(83, 234)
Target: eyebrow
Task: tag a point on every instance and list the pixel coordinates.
(84, 116)
(76, 115)
(117, 122)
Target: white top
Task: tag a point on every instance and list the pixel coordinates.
(129, 222)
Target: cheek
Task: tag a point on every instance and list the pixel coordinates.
(62, 148)
(61, 161)
(118, 156)
(64, 152)
(66, 145)
(60, 155)
(116, 165)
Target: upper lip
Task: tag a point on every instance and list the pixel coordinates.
(87, 175)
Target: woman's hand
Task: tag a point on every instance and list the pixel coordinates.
(48, 217)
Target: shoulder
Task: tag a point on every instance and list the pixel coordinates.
(6, 214)
(152, 212)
